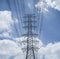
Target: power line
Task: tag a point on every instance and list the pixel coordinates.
(41, 19)
(14, 21)
(30, 49)
(22, 2)
(20, 11)
(18, 14)
(35, 11)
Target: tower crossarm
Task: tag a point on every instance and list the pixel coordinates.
(30, 26)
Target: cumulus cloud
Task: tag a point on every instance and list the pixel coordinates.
(4, 34)
(22, 42)
(12, 49)
(42, 6)
(51, 51)
(54, 4)
(48, 3)
(5, 20)
(9, 49)
(6, 23)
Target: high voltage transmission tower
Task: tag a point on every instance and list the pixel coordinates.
(30, 25)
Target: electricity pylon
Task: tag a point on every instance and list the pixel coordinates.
(30, 25)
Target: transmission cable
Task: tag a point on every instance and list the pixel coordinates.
(41, 20)
(14, 20)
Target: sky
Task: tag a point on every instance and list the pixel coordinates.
(50, 28)
(12, 14)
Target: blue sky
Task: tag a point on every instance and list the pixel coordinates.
(11, 27)
(51, 21)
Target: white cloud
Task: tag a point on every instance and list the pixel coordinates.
(9, 49)
(22, 42)
(54, 4)
(6, 23)
(5, 20)
(5, 34)
(51, 51)
(20, 56)
(44, 4)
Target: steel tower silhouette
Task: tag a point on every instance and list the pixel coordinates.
(29, 25)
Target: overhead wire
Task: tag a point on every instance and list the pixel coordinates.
(37, 18)
(22, 9)
(40, 17)
(41, 20)
(18, 15)
(41, 23)
(21, 14)
(34, 23)
(24, 14)
(10, 7)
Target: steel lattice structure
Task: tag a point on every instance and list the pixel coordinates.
(29, 25)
